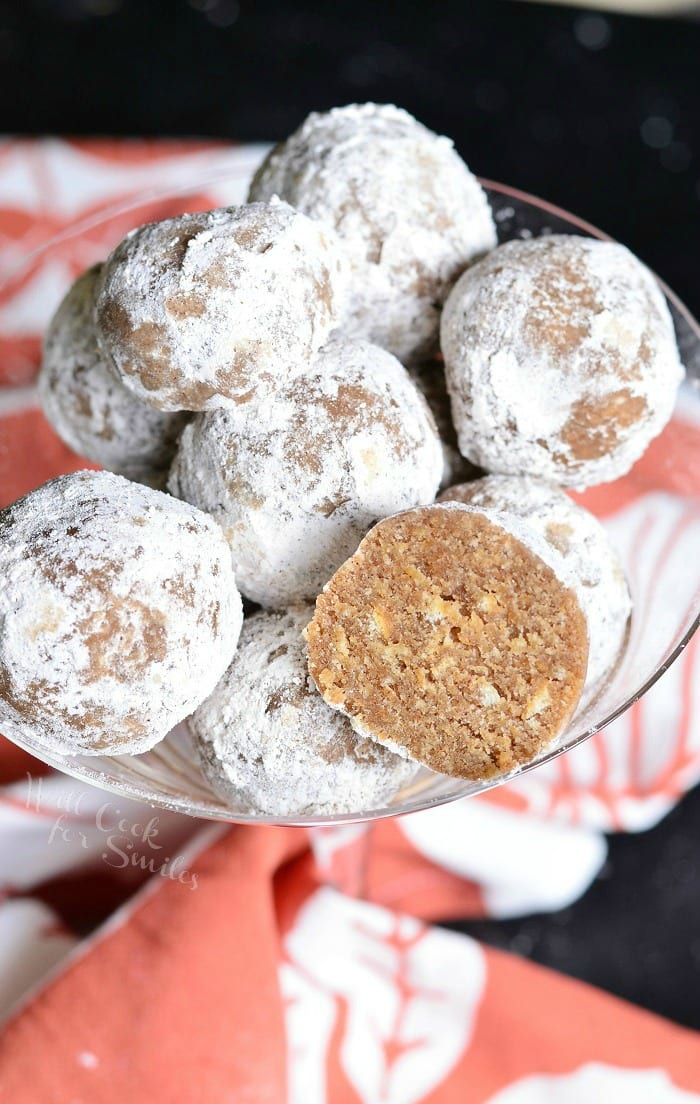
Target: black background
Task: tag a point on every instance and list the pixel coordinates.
(600, 114)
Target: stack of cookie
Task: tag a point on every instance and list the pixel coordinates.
(279, 392)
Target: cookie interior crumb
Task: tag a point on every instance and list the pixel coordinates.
(446, 637)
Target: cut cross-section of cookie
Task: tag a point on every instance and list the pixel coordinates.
(452, 637)
(599, 580)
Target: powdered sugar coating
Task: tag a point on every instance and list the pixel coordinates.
(429, 378)
(269, 743)
(86, 404)
(118, 614)
(598, 578)
(408, 211)
(296, 480)
(200, 310)
(560, 358)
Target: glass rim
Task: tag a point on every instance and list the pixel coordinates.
(134, 791)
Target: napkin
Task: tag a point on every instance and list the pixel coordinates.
(148, 956)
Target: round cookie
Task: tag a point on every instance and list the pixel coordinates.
(599, 580)
(118, 614)
(83, 399)
(201, 310)
(296, 480)
(269, 743)
(407, 209)
(454, 638)
(429, 378)
(561, 359)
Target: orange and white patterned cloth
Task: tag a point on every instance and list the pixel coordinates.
(145, 956)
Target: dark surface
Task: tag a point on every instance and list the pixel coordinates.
(598, 114)
(636, 932)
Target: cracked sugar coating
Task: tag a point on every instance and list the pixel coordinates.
(599, 580)
(407, 209)
(453, 640)
(200, 310)
(83, 399)
(295, 481)
(118, 614)
(268, 742)
(561, 360)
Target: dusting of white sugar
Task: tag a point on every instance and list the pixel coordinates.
(87, 405)
(560, 359)
(295, 480)
(118, 614)
(268, 742)
(201, 310)
(408, 211)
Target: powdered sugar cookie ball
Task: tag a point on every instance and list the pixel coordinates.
(83, 399)
(200, 310)
(561, 359)
(296, 480)
(268, 742)
(599, 580)
(408, 210)
(453, 638)
(118, 614)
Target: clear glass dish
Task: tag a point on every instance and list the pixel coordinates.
(664, 618)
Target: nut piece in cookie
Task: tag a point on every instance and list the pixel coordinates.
(450, 639)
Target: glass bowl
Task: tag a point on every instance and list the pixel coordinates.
(666, 613)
